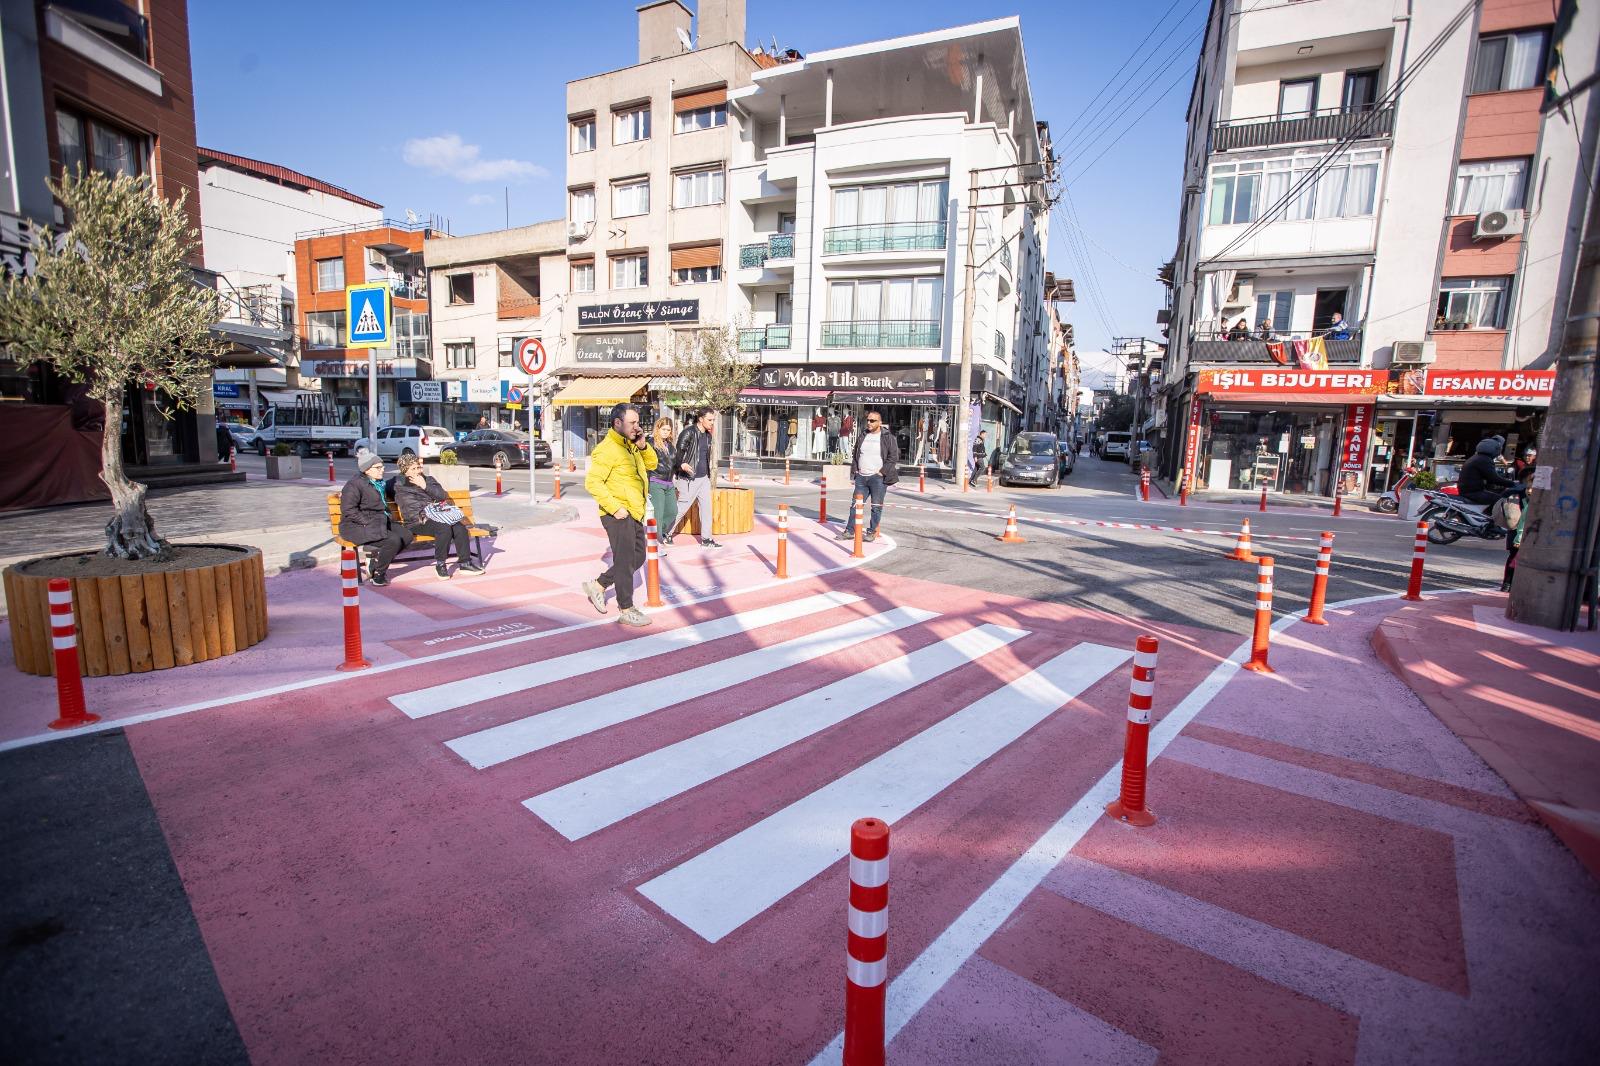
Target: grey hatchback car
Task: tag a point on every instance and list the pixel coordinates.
(1033, 459)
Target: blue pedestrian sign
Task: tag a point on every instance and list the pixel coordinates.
(369, 311)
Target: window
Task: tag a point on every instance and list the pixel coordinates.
(1473, 303)
(629, 198)
(462, 288)
(1360, 90)
(1509, 61)
(330, 275)
(1296, 99)
(866, 205)
(631, 125)
(1276, 308)
(583, 276)
(461, 355)
(702, 118)
(89, 144)
(697, 264)
(325, 329)
(508, 357)
(890, 300)
(1499, 185)
(630, 271)
(410, 334)
(1242, 192)
(699, 188)
(583, 206)
(582, 135)
(696, 275)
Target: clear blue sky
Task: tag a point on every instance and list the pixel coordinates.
(337, 90)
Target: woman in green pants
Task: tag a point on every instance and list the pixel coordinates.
(663, 494)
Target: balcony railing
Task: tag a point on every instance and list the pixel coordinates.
(880, 334)
(1209, 347)
(779, 246)
(518, 307)
(1326, 125)
(884, 237)
(1005, 256)
(764, 338)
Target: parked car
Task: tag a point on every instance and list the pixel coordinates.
(1033, 459)
(425, 442)
(1116, 446)
(499, 448)
(1069, 455)
(244, 436)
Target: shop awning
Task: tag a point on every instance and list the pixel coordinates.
(781, 397)
(931, 398)
(599, 392)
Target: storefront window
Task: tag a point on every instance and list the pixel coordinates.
(1281, 451)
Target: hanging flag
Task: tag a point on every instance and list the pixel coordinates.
(1301, 354)
(1277, 354)
(1318, 355)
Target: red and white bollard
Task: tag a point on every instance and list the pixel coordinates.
(1263, 498)
(1129, 806)
(1261, 637)
(783, 540)
(1144, 484)
(556, 494)
(1319, 587)
(499, 483)
(867, 945)
(233, 460)
(1338, 502)
(353, 658)
(822, 506)
(733, 476)
(860, 521)
(70, 709)
(922, 479)
(1418, 550)
(785, 470)
(991, 482)
(1011, 536)
(1183, 489)
(652, 566)
(330, 468)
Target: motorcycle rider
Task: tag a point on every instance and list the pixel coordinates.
(1481, 481)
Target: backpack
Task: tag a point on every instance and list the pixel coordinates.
(1506, 512)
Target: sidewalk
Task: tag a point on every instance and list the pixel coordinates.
(1526, 700)
(1252, 498)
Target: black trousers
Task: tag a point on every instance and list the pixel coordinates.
(627, 555)
(384, 551)
(446, 535)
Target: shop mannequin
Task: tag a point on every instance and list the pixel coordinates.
(770, 431)
(833, 429)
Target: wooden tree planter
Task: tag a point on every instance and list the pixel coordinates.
(140, 622)
(732, 511)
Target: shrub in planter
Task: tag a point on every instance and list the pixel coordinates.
(283, 464)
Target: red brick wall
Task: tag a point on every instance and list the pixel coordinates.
(1470, 349)
(352, 248)
(1501, 125)
(1465, 257)
(1515, 14)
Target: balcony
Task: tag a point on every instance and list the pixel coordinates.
(765, 338)
(909, 334)
(779, 247)
(517, 307)
(1327, 125)
(1210, 347)
(1005, 257)
(884, 237)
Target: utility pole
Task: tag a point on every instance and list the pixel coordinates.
(968, 299)
(1556, 565)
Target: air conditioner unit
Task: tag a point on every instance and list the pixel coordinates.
(1499, 224)
(1246, 297)
(576, 231)
(1414, 352)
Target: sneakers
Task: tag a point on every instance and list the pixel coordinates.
(633, 617)
(845, 534)
(440, 572)
(870, 535)
(379, 578)
(707, 542)
(469, 568)
(596, 594)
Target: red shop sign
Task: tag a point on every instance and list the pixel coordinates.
(1252, 381)
(1357, 427)
(1490, 383)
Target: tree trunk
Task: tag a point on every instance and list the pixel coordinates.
(131, 533)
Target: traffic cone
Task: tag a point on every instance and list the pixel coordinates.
(1419, 549)
(1261, 637)
(1241, 550)
(652, 566)
(1319, 587)
(1011, 536)
(1129, 805)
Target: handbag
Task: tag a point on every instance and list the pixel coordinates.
(447, 514)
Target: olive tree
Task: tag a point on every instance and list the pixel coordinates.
(110, 301)
(713, 369)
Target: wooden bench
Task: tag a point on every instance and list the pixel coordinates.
(460, 497)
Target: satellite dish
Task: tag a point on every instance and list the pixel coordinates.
(411, 216)
(683, 36)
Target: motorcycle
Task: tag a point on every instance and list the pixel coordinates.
(1389, 502)
(1450, 518)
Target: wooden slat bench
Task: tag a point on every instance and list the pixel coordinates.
(460, 497)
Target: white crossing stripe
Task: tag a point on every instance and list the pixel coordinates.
(447, 697)
(500, 743)
(725, 886)
(591, 803)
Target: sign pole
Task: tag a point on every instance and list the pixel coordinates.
(532, 359)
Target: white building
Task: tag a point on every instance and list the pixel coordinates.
(1393, 165)
(251, 213)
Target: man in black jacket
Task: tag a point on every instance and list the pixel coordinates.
(1481, 482)
(875, 466)
(364, 516)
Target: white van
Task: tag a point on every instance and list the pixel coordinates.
(1116, 446)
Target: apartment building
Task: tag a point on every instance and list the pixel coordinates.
(489, 291)
(250, 213)
(862, 180)
(328, 260)
(1377, 239)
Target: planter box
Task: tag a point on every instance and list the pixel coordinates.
(1412, 501)
(836, 477)
(283, 467)
(451, 478)
(732, 511)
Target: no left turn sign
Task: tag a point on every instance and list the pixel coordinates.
(531, 356)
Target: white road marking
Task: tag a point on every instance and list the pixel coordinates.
(447, 697)
(500, 743)
(592, 803)
(725, 886)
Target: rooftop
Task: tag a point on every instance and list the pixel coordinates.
(280, 174)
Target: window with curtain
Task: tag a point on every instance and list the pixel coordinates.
(1508, 61)
(582, 135)
(699, 188)
(630, 271)
(702, 118)
(330, 275)
(915, 201)
(1242, 192)
(583, 276)
(582, 206)
(1474, 303)
(889, 300)
(90, 144)
(1494, 185)
(630, 198)
(325, 329)
(1276, 308)
(630, 125)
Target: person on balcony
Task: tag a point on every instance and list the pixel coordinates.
(1265, 331)
(1240, 331)
(1338, 329)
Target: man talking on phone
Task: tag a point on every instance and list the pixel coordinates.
(618, 470)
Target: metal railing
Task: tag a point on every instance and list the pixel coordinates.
(1212, 347)
(1005, 256)
(776, 247)
(1325, 125)
(884, 237)
(909, 334)
(764, 338)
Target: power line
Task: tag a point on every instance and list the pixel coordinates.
(1179, 80)
(1086, 139)
(1111, 80)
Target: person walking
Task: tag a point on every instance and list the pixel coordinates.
(692, 470)
(425, 507)
(364, 517)
(663, 495)
(619, 467)
(980, 453)
(875, 466)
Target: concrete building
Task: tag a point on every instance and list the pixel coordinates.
(489, 291)
(1393, 165)
(862, 180)
(250, 214)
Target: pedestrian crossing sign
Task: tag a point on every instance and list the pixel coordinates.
(368, 309)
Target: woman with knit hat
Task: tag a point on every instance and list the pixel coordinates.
(364, 516)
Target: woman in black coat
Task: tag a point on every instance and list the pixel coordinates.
(364, 516)
(415, 491)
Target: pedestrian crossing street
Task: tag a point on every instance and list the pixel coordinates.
(729, 882)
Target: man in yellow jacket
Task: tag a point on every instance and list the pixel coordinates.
(618, 469)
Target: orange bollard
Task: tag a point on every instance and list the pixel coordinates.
(822, 505)
(922, 479)
(499, 485)
(1319, 587)
(233, 460)
(572, 465)
(652, 566)
(991, 481)
(1338, 502)
(330, 467)
(556, 494)
(1241, 550)
(1011, 536)
(1144, 484)
(1262, 635)
(867, 944)
(860, 521)
(783, 540)
(786, 470)
(1129, 806)
(70, 709)
(353, 658)
(1263, 499)
(1183, 490)
(1419, 549)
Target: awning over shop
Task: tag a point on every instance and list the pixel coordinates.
(781, 397)
(599, 392)
(938, 398)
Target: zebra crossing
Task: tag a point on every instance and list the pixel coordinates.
(923, 655)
